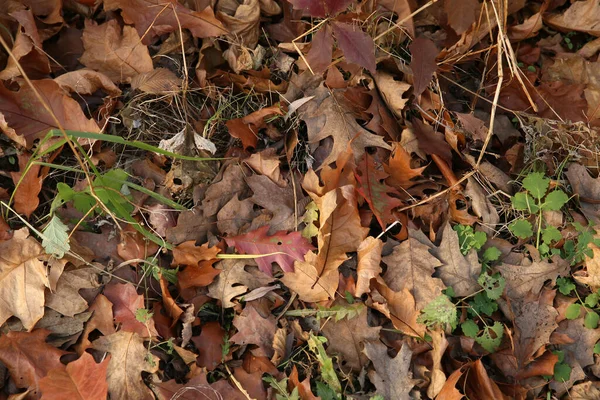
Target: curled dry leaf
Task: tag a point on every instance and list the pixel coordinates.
(28, 187)
(86, 81)
(392, 91)
(581, 16)
(369, 260)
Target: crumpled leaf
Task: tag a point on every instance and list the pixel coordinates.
(399, 168)
(129, 357)
(392, 376)
(292, 245)
(581, 16)
(81, 379)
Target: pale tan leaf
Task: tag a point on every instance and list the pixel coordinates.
(308, 283)
(157, 81)
(369, 260)
(530, 276)
(86, 81)
(399, 307)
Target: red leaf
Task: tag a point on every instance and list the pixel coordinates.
(375, 192)
(321, 8)
(82, 379)
(321, 50)
(358, 47)
(423, 63)
(126, 302)
(209, 345)
(257, 242)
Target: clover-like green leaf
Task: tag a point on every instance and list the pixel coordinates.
(470, 328)
(555, 200)
(573, 311)
(491, 337)
(537, 184)
(551, 234)
(591, 319)
(521, 228)
(524, 202)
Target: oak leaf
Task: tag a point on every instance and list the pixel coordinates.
(358, 47)
(369, 260)
(29, 358)
(432, 142)
(254, 329)
(82, 379)
(234, 280)
(346, 338)
(200, 275)
(460, 272)
(126, 303)
(209, 345)
(591, 276)
(400, 307)
(246, 128)
(66, 298)
(116, 52)
(102, 320)
(392, 376)
(392, 91)
(231, 183)
(235, 216)
(267, 163)
(373, 189)
(129, 357)
(153, 18)
(412, 266)
(187, 253)
(311, 285)
(23, 277)
(324, 117)
(292, 245)
(23, 118)
(399, 168)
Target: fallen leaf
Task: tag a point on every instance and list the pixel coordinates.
(460, 272)
(23, 278)
(187, 253)
(423, 65)
(531, 275)
(588, 190)
(438, 377)
(321, 8)
(254, 329)
(116, 52)
(399, 168)
(529, 28)
(449, 391)
(373, 189)
(234, 281)
(358, 47)
(346, 338)
(29, 358)
(431, 142)
(482, 206)
(399, 307)
(63, 329)
(392, 376)
(66, 298)
(369, 260)
(230, 184)
(324, 118)
(87, 81)
(102, 320)
(235, 216)
(82, 379)
(126, 303)
(129, 358)
(310, 285)
(200, 275)
(267, 163)
(581, 16)
(304, 390)
(392, 91)
(592, 268)
(157, 81)
(585, 391)
(461, 14)
(411, 266)
(23, 118)
(210, 345)
(153, 18)
(28, 187)
(321, 50)
(292, 246)
(246, 128)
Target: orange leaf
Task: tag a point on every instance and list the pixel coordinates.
(82, 379)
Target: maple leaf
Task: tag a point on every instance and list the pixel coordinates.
(24, 119)
(153, 18)
(399, 169)
(292, 245)
(254, 329)
(347, 336)
(321, 8)
(375, 192)
(411, 266)
(358, 47)
(23, 277)
(29, 358)
(392, 376)
(82, 379)
(126, 303)
(234, 281)
(423, 65)
(324, 117)
(129, 357)
(460, 272)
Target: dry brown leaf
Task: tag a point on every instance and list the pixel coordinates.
(234, 280)
(588, 190)
(129, 357)
(24, 119)
(393, 92)
(311, 286)
(449, 391)
(235, 216)
(399, 307)
(117, 53)
(392, 376)
(87, 81)
(28, 187)
(220, 192)
(126, 303)
(460, 272)
(66, 299)
(592, 267)
(438, 377)
(267, 162)
(102, 319)
(369, 260)
(153, 18)
(254, 329)
(187, 253)
(242, 21)
(399, 168)
(529, 28)
(346, 338)
(411, 266)
(482, 206)
(585, 391)
(530, 275)
(581, 16)
(23, 278)
(157, 81)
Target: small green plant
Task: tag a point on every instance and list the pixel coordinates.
(280, 387)
(562, 370)
(469, 239)
(440, 312)
(533, 202)
(330, 386)
(589, 305)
